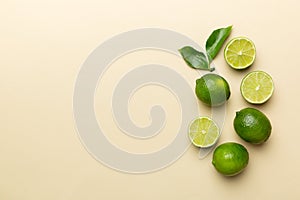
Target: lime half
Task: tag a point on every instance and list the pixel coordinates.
(257, 87)
(203, 132)
(240, 53)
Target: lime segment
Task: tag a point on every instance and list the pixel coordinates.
(203, 132)
(240, 53)
(257, 87)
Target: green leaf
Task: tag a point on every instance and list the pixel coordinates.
(194, 58)
(216, 40)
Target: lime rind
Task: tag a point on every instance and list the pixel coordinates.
(257, 87)
(240, 53)
(203, 132)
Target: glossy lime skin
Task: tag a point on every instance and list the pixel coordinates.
(252, 125)
(212, 90)
(230, 158)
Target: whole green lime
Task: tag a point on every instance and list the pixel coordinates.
(230, 158)
(252, 125)
(212, 89)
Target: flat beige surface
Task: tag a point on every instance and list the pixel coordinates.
(44, 43)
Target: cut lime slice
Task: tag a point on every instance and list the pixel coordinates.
(257, 87)
(240, 53)
(203, 132)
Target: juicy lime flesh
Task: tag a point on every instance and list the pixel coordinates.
(230, 158)
(203, 132)
(240, 53)
(252, 125)
(257, 87)
(212, 90)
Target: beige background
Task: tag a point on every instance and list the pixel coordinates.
(44, 43)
